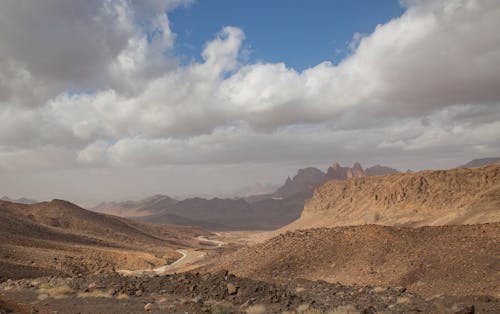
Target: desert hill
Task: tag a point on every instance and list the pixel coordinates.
(59, 237)
(456, 196)
(481, 162)
(454, 260)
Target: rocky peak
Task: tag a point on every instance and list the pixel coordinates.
(356, 171)
(305, 180)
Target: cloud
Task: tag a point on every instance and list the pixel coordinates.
(93, 81)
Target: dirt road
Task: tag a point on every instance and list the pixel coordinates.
(190, 259)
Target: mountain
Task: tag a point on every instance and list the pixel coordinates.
(379, 170)
(481, 162)
(232, 214)
(335, 171)
(254, 212)
(59, 237)
(456, 196)
(305, 180)
(148, 206)
(21, 200)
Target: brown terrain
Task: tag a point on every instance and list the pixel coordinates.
(456, 196)
(455, 260)
(60, 238)
(430, 246)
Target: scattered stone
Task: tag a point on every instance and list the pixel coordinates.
(232, 289)
(148, 307)
(403, 300)
(379, 289)
(198, 299)
(460, 308)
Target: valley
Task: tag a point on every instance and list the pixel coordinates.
(391, 243)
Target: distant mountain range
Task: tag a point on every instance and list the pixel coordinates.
(148, 206)
(481, 162)
(254, 212)
(307, 179)
(21, 200)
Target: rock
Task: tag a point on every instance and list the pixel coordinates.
(379, 289)
(403, 300)
(232, 289)
(460, 308)
(148, 307)
(138, 293)
(198, 299)
(92, 285)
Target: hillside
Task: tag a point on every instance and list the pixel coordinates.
(453, 260)
(59, 237)
(456, 196)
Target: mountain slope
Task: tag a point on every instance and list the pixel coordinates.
(458, 196)
(457, 260)
(59, 237)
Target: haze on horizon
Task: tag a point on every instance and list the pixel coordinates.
(99, 102)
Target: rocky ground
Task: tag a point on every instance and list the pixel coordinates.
(218, 293)
(429, 261)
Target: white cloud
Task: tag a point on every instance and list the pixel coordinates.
(427, 81)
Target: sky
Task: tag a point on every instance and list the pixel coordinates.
(120, 99)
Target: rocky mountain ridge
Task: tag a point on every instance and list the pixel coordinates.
(455, 196)
(307, 179)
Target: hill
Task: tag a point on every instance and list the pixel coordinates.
(148, 206)
(456, 196)
(59, 237)
(481, 162)
(453, 260)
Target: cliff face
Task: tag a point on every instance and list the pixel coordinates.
(456, 196)
(305, 181)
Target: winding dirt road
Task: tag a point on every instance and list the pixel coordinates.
(191, 258)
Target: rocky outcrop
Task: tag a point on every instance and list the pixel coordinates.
(456, 196)
(304, 181)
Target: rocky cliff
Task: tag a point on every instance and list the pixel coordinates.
(456, 196)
